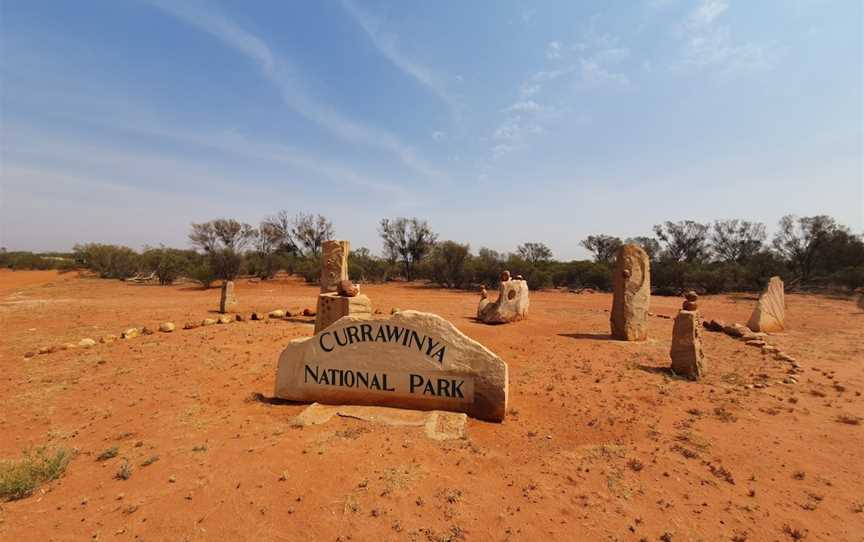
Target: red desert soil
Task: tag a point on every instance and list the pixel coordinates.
(600, 443)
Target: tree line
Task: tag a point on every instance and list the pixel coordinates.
(724, 255)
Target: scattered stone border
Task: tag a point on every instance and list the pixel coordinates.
(757, 340)
(170, 327)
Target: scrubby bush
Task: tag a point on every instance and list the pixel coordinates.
(169, 264)
(364, 267)
(202, 273)
(18, 479)
(28, 260)
(583, 274)
(485, 268)
(446, 265)
(108, 261)
(849, 277)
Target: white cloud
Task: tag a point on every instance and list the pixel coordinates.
(525, 105)
(706, 13)
(553, 50)
(388, 45)
(438, 135)
(279, 71)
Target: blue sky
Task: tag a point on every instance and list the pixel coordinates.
(500, 122)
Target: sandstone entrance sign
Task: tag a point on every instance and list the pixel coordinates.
(411, 359)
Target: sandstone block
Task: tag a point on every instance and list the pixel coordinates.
(227, 299)
(334, 265)
(408, 360)
(278, 313)
(631, 283)
(511, 305)
(87, 343)
(688, 360)
(167, 327)
(769, 314)
(130, 333)
(332, 307)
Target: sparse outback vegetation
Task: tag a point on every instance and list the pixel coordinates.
(20, 478)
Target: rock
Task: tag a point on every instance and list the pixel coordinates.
(308, 312)
(278, 313)
(437, 425)
(147, 331)
(755, 342)
(167, 327)
(588, 291)
(334, 265)
(29, 354)
(691, 296)
(70, 346)
(770, 312)
(519, 277)
(688, 360)
(714, 325)
(257, 316)
(191, 325)
(208, 321)
(394, 310)
(348, 289)
(781, 356)
(410, 360)
(87, 343)
(45, 350)
(288, 314)
(224, 319)
(504, 277)
(631, 284)
(511, 305)
(735, 330)
(332, 307)
(130, 333)
(690, 306)
(768, 349)
(105, 339)
(239, 317)
(227, 299)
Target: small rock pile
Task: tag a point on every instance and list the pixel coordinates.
(756, 339)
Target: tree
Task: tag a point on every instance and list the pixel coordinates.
(278, 229)
(534, 252)
(407, 241)
(169, 264)
(799, 239)
(447, 264)
(311, 231)
(648, 244)
(737, 240)
(223, 241)
(685, 241)
(604, 247)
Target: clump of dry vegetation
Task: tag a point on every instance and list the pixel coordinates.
(19, 479)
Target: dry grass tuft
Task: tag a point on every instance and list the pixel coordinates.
(18, 479)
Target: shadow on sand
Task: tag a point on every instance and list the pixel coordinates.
(257, 397)
(590, 336)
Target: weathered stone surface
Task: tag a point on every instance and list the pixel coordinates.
(736, 330)
(410, 360)
(87, 343)
(208, 321)
(437, 425)
(239, 317)
(333, 306)
(258, 316)
(348, 288)
(130, 333)
(224, 319)
(308, 312)
(334, 265)
(105, 339)
(191, 325)
(690, 306)
(167, 327)
(227, 300)
(147, 331)
(688, 360)
(504, 277)
(770, 312)
(511, 305)
(631, 284)
(278, 313)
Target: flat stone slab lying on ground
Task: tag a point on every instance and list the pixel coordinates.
(437, 425)
(411, 359)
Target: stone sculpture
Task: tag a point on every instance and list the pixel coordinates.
(631, 284)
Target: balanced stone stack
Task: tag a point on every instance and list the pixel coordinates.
(769, 314)
(227, 301)
(688, 359)
(338, 297)
(631, 297)
(511, 305)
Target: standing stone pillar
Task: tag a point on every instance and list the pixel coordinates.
(334, 265)
(631, 285)
(769, 314)
(227, 301)
(688, 359)
(338, 296)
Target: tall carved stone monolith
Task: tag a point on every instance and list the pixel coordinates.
(631, 285)
(227, 301)
(338, 296)
(688, 359)
(334, 265)
(769, 314)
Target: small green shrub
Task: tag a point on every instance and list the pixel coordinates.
(203, 274)
(18, 479)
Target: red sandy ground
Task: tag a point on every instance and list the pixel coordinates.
(599, 443)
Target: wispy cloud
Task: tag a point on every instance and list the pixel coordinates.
(387, 43)
(709, 45)
(287, 78)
